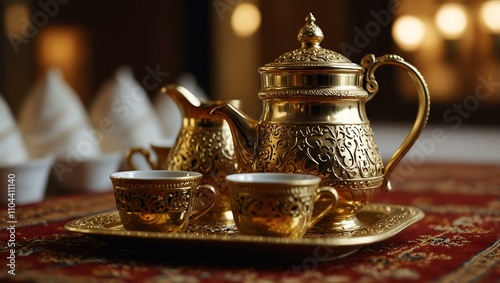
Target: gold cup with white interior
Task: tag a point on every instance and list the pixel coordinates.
(161, 200)
(278, 204)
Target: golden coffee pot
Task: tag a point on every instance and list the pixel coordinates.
(204, 144)
(314, 121)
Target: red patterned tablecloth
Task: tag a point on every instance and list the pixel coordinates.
(457, 241)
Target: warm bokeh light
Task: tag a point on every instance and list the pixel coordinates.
(13, 16)
(490, 15)
(245, 19)
(408, 32)
(58, 46)
(67, 48)
(451, 20)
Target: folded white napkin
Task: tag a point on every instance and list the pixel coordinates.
(53, 120)
(123, 113)
(12, 147)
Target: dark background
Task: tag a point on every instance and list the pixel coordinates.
(176, 35)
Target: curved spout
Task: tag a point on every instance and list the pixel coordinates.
(190, 105)
(244, 131)
(185, 100)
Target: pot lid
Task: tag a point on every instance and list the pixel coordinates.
(311, 54)
(311, 72)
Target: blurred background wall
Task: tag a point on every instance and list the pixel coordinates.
(455, 45)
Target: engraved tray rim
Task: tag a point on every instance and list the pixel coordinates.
(387, 221)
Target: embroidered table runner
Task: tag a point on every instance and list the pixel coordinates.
(456, 241)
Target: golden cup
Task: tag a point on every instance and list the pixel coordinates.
(278, 204)
(161, 200)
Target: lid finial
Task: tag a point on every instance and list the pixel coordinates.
(310, 53)
(310, 35)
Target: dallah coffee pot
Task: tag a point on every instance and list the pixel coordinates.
(314, 121)
(204, 144)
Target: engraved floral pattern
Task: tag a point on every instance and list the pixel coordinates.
(205, 150)
(334, 152)
(209, 151)
(144, 201)
(312, 54)
(287, 206)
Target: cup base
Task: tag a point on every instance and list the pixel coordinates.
(216, 217)
(338, 224)
(154, 222)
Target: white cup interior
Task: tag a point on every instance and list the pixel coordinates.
(275, 178)
(154, 174)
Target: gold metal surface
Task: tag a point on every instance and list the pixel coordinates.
(314, 121)
(204, 145)
(424, 103)
(163, 204)
(379, 222)
(281, 208)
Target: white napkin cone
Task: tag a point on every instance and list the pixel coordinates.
(167, 110)
(12, 147)
(53, 120)
(30, 174)
(122, 112)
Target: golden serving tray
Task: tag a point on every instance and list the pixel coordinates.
(381, 221)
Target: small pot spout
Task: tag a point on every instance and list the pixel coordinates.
(244, 131)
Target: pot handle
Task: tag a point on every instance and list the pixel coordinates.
(141, 151)
(424, 101)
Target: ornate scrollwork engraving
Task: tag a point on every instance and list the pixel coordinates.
(287, 206)
(310, 35)
(145, 202)
(96, 222)
(342, 153)
(311, 55)
(205, 150)
(209, 151)
(308, 93)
